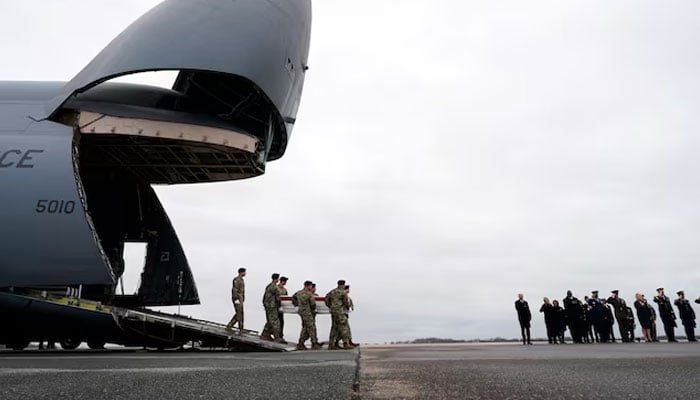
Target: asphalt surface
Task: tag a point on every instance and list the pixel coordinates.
(541, 371)
(177, 375)
(461, 371)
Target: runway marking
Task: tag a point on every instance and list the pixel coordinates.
(165, 370)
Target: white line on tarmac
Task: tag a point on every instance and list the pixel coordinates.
(164, 370)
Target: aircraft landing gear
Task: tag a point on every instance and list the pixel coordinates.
(18, 344)
(70, 343)
(96, 344)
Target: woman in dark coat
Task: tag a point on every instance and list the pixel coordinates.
(549, 320)
(644, 315)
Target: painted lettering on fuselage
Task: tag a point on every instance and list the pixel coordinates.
(18, 158)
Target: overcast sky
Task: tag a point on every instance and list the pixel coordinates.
(448, 154)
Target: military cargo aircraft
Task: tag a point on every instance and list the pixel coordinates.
(78, 159)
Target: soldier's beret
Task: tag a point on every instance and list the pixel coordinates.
(615, 291)
(680, 292)
(308, 283)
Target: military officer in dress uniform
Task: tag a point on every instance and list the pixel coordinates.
(668, 317)
(687, 314)
(524, 317)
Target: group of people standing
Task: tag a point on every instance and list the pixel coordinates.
(338, 301)
(592, 320)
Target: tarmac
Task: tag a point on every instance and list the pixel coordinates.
(455, 371)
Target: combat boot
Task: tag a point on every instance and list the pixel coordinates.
(301, 346)
(348, 346)
(331, 346)
(316, 346)
(354, 344)
(266, 337)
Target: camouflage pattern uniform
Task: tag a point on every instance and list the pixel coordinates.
(237, 293)
(283, 292)
(337, 301)
(620, 307)
(350, 306)
(307, 311)
(272, 303)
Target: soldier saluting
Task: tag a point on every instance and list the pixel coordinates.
(524, 317)
(687, 314)
(620, 307)
(668, 317)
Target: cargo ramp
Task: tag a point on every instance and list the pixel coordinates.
(61, 315)
(178, 329)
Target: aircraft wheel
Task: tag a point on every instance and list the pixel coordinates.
(70, 343)
(18, 344)
(96, 344)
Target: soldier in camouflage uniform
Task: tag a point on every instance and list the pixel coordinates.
(653, 322)
(272, 303)
(283, 292)
(238, 297)
(337, 301)
(620, 307)
(350, 307)
(306, 303)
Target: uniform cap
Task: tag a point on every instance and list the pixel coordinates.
(341, 282)
(284, 279)
(275, 276)
(615, 291)
(308, 283)
(660, 289)
(680, 292)
(241, 269)
(594, 292)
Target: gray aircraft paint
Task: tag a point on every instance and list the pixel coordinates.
(46, 238)
(265, 42)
